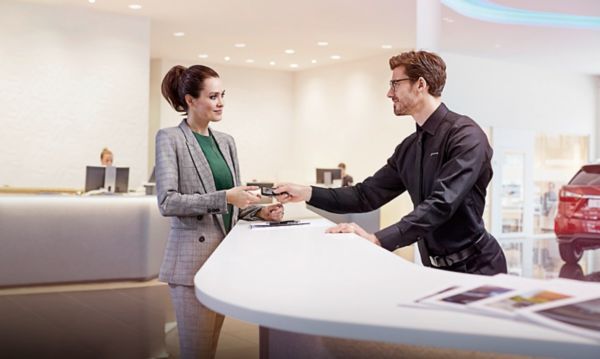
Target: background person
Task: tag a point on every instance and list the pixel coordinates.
(347, 180)
(106, 157)
(198, 186)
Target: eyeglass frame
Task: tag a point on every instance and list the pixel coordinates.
(394, 82)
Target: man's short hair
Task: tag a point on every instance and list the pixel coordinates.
(423, 64)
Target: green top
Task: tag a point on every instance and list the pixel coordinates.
(220, 170)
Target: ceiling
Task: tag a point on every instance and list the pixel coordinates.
(352, 29)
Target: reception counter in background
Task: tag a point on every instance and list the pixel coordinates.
(56, 239)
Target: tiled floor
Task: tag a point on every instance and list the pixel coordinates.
(136, 320)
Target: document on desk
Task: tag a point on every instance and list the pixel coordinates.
(278, 224)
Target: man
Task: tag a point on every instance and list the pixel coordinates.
(347, 180)
(444, 166)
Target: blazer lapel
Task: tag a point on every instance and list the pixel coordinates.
(200, 162)
(225, 149)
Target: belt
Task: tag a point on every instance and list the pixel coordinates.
(457, 257)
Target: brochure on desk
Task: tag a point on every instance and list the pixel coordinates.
(561, 304)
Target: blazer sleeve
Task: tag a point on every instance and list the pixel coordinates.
(171, 202)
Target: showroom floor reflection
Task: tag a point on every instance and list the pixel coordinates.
(136, 319)
(539, 258)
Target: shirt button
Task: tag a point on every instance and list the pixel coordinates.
(201, 239)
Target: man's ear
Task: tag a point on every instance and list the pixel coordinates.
(189, 100)
(422, 84)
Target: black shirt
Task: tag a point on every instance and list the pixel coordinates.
(445, 167)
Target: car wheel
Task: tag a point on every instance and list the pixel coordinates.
(570, 253)
(571, 271)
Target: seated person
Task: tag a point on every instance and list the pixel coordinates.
(347, 180)
(106, 157)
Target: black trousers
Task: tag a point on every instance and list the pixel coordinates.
(488, 260)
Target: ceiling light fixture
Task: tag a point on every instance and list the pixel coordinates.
(322, 43)
(386, 46)
(135, 6)
(179, 34)
(272, 63)
(313, 61)
(227, 58)
(335, 57)
(203, 56)
(289, 51)
(294, 66)
(240, 45)
(91, 1)
(250, 61)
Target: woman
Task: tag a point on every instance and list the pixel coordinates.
(198, 186)
(106, 157)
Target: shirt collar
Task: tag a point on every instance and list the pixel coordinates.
(434, 120)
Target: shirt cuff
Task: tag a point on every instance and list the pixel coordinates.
(389, 237)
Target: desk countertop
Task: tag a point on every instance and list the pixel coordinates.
(302, 280)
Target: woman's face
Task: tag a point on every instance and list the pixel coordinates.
(107, 159)
(208, 106)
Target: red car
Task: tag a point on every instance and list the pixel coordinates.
(577, 222)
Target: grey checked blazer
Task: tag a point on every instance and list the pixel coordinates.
(186, 193)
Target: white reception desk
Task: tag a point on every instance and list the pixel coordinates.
(53, 239)
(299, 279)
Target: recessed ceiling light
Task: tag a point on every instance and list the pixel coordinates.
(322, 43)
(91, 1)
(250, 61)
(289, 51)
(294, 66)
(448, 20)
(227, 58)
(386, 46)
(239, 45)
(313, 61)
(135, 6)
(179, 34)
(272, 63)
(335, 57)
(203, 56)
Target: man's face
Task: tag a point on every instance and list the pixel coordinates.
(403, 93)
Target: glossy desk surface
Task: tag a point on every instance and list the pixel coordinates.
(302, 280)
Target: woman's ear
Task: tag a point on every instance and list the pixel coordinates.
(189, 100)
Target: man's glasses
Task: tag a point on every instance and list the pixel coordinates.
(394, 82)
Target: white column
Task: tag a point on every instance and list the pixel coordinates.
(428, 24)
(427, 38)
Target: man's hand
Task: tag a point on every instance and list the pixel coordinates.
(241, 197)
(289, 192)
(271, 213)
(354, 228)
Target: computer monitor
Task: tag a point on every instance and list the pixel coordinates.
(94, 178)
(327, 175)
(113, 179)
(122, 180)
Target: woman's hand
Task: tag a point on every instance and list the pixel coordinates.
(241, 197)
(354, 228)
(271, 213)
